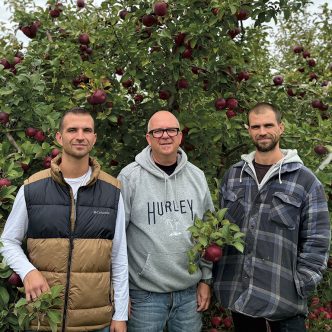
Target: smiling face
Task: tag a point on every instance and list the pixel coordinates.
(77, 136)
(265, 130)
(164, 149)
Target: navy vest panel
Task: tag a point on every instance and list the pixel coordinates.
(49, 210)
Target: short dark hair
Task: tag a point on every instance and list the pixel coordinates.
(261, 107)
(75, 110)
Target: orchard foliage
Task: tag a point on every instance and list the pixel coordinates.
(207, 61)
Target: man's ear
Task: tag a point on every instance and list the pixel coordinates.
(148, 138)
(282, 127)
(58, 137)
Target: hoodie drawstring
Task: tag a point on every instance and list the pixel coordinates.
(244, 165)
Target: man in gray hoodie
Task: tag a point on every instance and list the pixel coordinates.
(281, 207)
(163, 192)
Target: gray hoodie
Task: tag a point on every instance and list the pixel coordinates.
(159, 209)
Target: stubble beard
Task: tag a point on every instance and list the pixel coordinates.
(267, 148)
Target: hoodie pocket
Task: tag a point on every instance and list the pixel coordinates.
(285, 210)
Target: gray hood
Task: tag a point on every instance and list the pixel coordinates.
(290, 156)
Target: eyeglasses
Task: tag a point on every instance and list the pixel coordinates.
(159, 132)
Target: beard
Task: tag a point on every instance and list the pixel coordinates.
(267, 147)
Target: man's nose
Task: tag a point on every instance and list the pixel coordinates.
(262, 131)
(165, 135)
(80, 135)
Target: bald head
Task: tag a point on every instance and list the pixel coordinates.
(163, 119)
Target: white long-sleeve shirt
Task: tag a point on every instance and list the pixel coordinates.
(16, 228)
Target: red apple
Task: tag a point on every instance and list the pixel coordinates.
(83, 47)
(31, 30)
(311, 62)
(80, 3)
(306, 54)
(54, 12)
(98, 97)
(164, 94)
(128, 83)
(329, 265)
(313, 76)
(228, 322)
(15, 280)
(234, 32)
(123, 13)
(312, 316)
(120, 120)
(301, 70)
(323, 107)
(182, 83)
(5, 63)
(213, 253)
(321, 149)
(40, 136)
(187, 53)
(47, 162)
(149, 20)
(278, 80)
(242, 14)
(25, 167)
(119, 71)
(16, 60)
(185, 131)
(113, 162)
(84, 38)
(220, 104)
(55, 152)
(298, 49)
(216, 321)
(30, 132)
(179, 38)
(230, 114)
(291, 92)
(138, 98)
(160, 8)
(215, 11)
(4, 118)
(316, 103)
(243, 75)
(5, 182)
(195, 70)
(231, 103)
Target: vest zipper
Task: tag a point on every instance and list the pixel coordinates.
(70, 254)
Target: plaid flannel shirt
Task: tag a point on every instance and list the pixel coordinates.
(287, 230)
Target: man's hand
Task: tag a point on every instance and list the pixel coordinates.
(118, 326)
(34, 284)
(203, 296)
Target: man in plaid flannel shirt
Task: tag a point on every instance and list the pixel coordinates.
(281, 207)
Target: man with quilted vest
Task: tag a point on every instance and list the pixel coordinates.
(281, 207)
(72, 216)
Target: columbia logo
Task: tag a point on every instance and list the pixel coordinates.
(100, 212)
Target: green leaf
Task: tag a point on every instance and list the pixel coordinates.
(21, 302)
(56, 290)
(4, 296)
(239, 246)
(221, 213)
(234, 228)
(54, 316)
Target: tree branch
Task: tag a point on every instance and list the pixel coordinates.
(13, 142)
